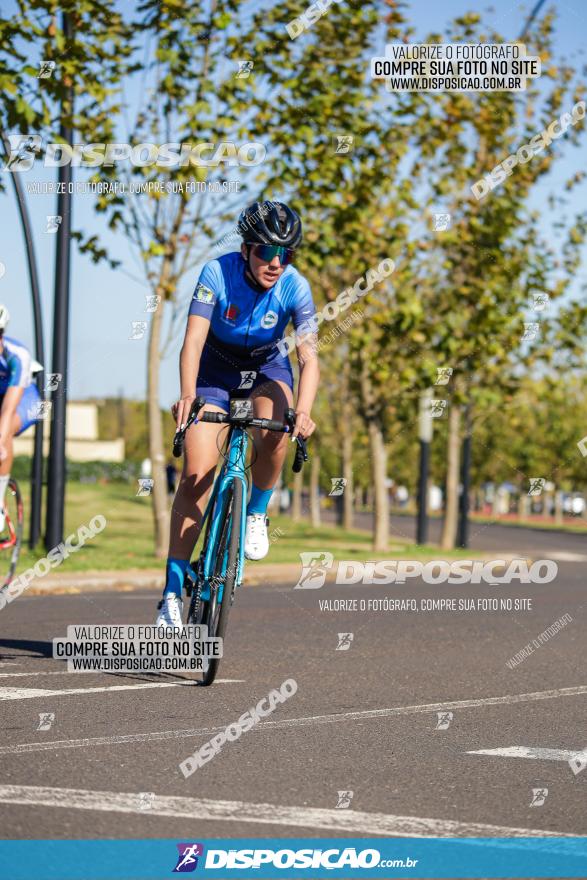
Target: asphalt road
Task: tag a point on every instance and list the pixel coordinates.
(487, 536)
(364, 720)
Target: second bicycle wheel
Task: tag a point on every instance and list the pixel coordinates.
(228, 546)
(11, 537)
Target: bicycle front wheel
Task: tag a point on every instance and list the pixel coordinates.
(225, 570)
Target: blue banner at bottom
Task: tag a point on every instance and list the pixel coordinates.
(529, 857)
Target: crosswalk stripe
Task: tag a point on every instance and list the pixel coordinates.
(14, 693)
(203, 809)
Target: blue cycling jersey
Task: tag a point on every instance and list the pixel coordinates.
(244, 323)
(15, 365)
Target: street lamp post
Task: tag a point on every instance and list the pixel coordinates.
(463, 534)
(425, 435)
(56, 470)
(37, 462)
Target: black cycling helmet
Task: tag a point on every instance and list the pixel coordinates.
(270, 223)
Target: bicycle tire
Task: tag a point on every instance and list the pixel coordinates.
(16, 528)
(217, 621)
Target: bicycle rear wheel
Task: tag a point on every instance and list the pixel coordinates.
(11, 537)
(216, 613)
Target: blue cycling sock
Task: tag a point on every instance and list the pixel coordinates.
(259, 500)
(174, 575)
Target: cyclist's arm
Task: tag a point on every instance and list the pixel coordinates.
(306, 350)
(198, 325)
(18, 379)
(307, 354)
(189, 361)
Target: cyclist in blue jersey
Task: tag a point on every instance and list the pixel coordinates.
(19, 400)
(241, 307)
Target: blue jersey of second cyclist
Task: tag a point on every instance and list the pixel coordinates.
(15, 365)
(244, 324)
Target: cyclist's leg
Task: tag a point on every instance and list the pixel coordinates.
(200, 461)
(270, 400)
(8, 443)
(6, 463)
(199, 464)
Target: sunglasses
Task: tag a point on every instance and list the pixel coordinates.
(268, 252)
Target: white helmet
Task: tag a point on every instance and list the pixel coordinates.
(4, 317)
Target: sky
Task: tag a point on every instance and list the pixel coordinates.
(103, 360)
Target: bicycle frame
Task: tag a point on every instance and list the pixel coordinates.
(232, 469)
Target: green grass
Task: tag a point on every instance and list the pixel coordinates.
(127, 540)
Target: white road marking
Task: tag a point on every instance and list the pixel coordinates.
(203, 809)
(564, 556)
(21, 674)
(14, 693)
(534, 753)
(290, 722)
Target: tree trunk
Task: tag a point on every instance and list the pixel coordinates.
(451, 508)
(558, 507)
(315, 491)
(347, 473)
(155, 422)
(379, 474)
(296, 500)
(378, 492)
(523, 505)
(359, 497)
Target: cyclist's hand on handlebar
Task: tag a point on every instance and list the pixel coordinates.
(181, 410)
(304, 426)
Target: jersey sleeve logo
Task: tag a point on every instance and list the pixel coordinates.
(203, 294)
(231, 313)
(269, 320)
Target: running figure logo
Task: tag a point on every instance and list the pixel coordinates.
(539, 795)
(338, 485)
(46, 69)
(344, 641)
(46, 719)
(187, 860)
(247, 378)
(441, 222)
(578, 762)
(531, 331)
(314, 567)
(437, 407)
(343, 143)
(536, 485)
(444, 719)
(443, 375)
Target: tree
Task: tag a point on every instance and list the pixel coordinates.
(494, 257)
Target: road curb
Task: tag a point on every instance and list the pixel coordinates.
(131, 580)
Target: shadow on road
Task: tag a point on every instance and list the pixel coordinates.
(39, 649)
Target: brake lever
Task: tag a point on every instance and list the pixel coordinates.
(301, 455)
(179, 436)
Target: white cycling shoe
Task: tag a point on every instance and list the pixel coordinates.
(170, 611)
(2, 519)
(256, 538)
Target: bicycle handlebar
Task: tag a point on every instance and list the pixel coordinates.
(285, 427)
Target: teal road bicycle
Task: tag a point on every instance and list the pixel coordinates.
(212, 577)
